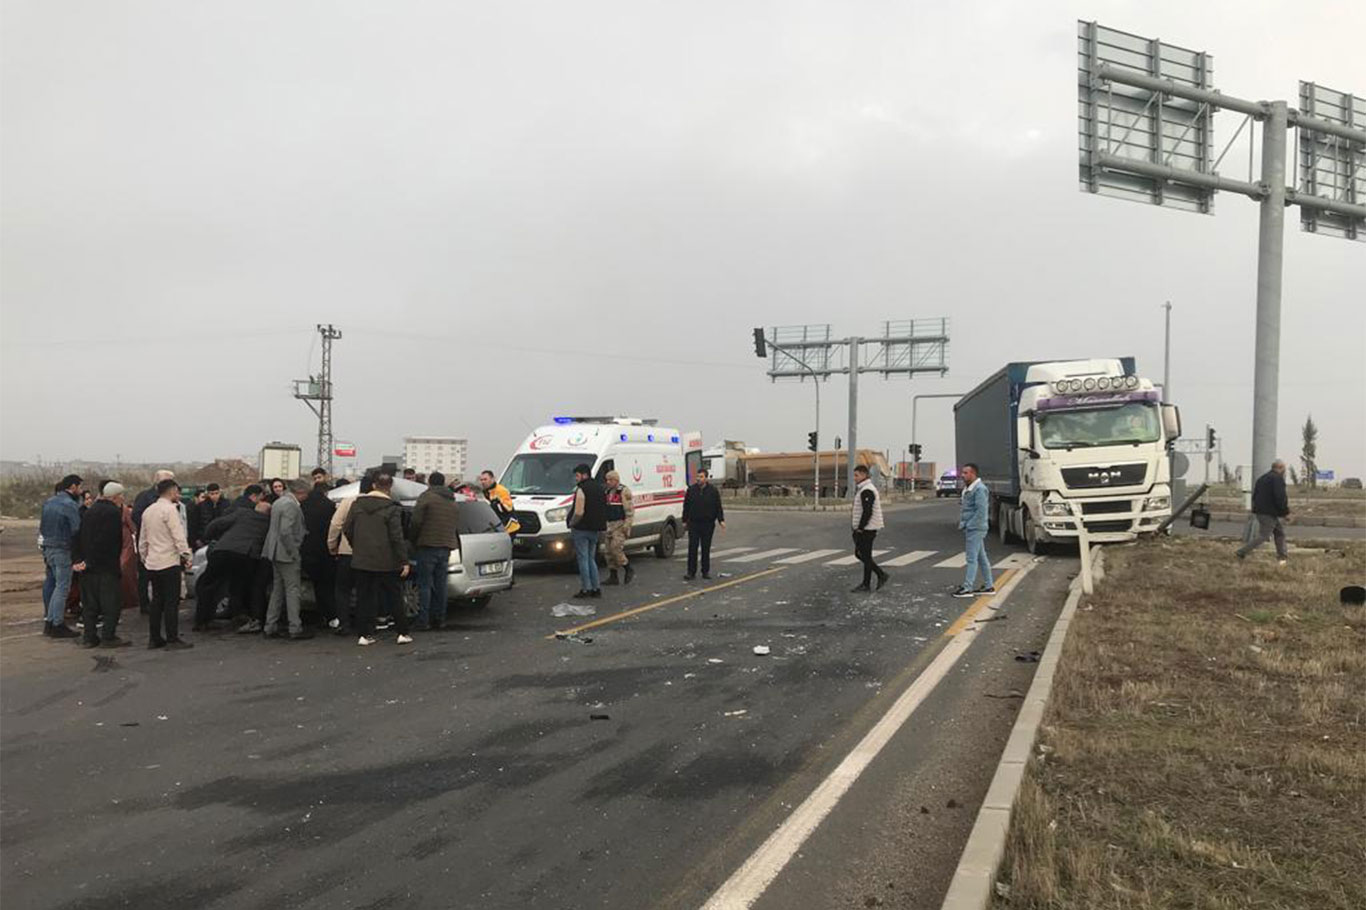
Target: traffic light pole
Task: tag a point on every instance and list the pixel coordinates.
(815, 380)
(915, 440)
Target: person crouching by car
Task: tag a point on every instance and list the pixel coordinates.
(433, 529)
(379, 558)
(235, 557)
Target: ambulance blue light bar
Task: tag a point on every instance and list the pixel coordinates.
(623, 437)
(564, 420)
(649, 437)
(673, 439)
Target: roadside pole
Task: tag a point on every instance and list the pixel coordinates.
(853, 412)
(1270, 259)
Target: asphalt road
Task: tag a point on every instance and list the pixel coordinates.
(468, 769)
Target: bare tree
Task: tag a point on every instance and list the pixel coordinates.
(1294, 476)
(1309, 453)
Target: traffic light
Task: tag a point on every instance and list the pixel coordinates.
(915, 451)
(1209, 439)
(760, 347)
(811, 441)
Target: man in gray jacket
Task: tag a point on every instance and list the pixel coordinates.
(283, 540)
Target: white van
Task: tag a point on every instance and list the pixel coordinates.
(656, 463)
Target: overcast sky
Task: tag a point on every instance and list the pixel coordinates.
(517, 210)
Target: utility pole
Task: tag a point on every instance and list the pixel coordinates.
(851, 460)
(319, 389)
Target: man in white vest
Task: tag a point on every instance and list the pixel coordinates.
(867, 520)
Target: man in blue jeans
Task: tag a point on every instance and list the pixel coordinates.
(587, 521)
(434, 528)
(973, 521)
(61, 520)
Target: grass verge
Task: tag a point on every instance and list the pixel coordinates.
(1205, 744)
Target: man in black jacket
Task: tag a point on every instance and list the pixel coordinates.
(212, 508)
(702, 512)
(434, 529)
(318, 564)
(1270, 509)
(379, 558)
(587, 521)
(97, 547)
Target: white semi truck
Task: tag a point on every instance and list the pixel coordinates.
(1062, 442)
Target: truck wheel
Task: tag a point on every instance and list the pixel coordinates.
(1003, 524)
(665, 548)
(1031, 536)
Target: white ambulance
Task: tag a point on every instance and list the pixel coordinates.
(656, 463)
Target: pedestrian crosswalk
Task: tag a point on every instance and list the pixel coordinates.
(842, 557)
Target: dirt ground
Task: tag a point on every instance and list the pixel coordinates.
(1205, 745)
(21, 571)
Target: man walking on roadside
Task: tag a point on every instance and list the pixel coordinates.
(58, 527)
(318, 510)
(1271, 510)
(166, 554)
(434, 530)
(282, 544)
(867, 518)
(99, 547)
(379, 558)
(973, 522)
(702, 513)
(587, 520)
(621, 514)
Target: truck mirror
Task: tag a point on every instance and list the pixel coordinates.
(1171, 421)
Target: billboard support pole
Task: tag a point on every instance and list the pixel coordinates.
(1270, 258)
(854, 344)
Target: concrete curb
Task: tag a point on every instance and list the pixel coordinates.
(973, 881)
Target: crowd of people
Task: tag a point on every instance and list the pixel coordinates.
(103, 553)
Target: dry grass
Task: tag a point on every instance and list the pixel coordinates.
(1324, 502)
(1205, 745)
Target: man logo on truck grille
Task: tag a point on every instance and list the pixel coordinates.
(1100, 476)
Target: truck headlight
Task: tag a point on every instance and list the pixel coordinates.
(1057, 508)
(1157, 502)
(560, 514)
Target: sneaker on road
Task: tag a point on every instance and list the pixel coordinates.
(987, 590)
(365, 640)
(334, 624)
(857, 588)
(405, 640)
(249, 628)
(963, 592)
(882, 580)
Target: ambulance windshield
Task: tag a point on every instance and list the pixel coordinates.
(543, 473)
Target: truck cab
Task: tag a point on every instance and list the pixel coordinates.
(1063, 443)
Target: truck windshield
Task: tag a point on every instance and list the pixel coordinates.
(1130, 423)
(543, 473)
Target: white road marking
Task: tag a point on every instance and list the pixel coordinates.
(905, 559)
(764, 554)
(953, 562)
(749, 882)
(1014, 561)
(721, 554)
(850, 560)
(806, 557)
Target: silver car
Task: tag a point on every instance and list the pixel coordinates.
(481, 564)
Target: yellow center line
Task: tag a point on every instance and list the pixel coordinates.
(962, 622)
(625, 614)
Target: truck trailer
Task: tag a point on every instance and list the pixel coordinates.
(1063, 442)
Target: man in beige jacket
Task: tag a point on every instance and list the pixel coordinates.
(166, 554)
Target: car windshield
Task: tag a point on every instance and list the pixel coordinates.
(1130, 423)
(543, 473)
(474, 517)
